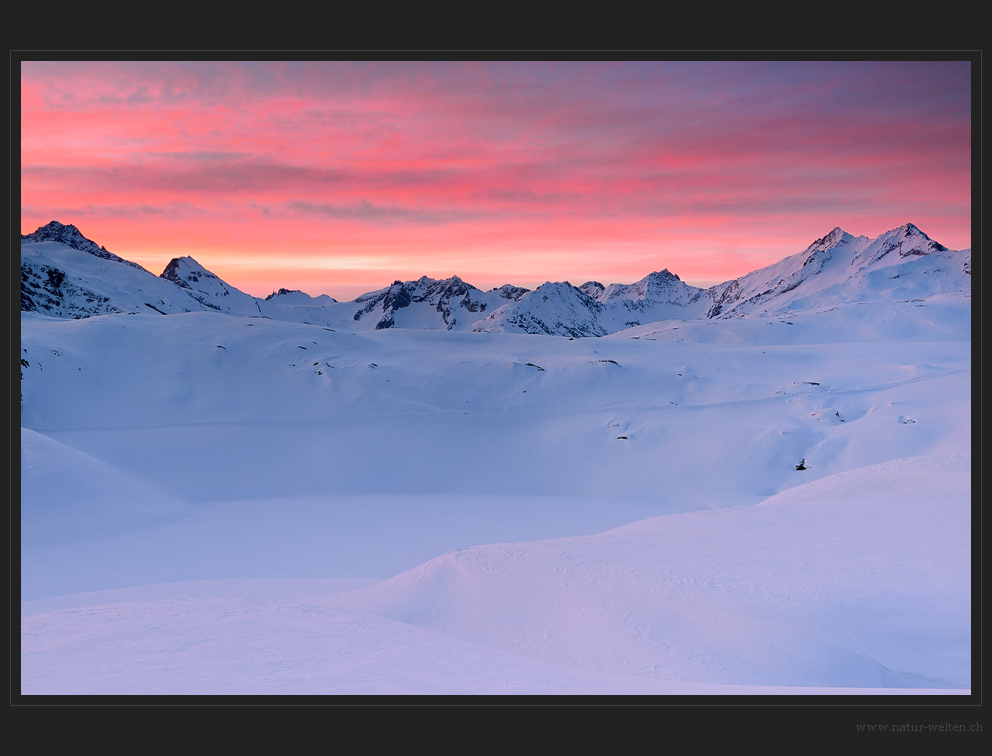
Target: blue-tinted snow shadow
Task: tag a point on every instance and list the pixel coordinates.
(349, 536)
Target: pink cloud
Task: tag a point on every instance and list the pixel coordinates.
(510, 172)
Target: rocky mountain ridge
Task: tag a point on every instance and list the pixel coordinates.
(58, 281)
(70, 236)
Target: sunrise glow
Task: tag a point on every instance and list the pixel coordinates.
(337, 178)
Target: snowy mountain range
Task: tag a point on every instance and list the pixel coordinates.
(66, 275)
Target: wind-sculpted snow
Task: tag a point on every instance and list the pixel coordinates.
(276, 637)
(790, 593)
(70, 496)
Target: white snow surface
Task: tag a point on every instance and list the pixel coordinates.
(213, 503)
(860, 581)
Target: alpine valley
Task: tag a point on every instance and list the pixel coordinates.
(649, 488)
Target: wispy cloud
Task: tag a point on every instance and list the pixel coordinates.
(208, 157)
(365, 211)
(515, 162)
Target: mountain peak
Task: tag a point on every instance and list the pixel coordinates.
(282, 293)
(208, 288)
(592, 289)
(509, 291)
(905, 231)
(54, 228)
(298, 297)
(68, 235)
(71, 237)
(835, 238)
(55, 231)
(910, 240)
(835, 235)
(664, 275)
(179, 269)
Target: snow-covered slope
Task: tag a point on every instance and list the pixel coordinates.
(208, 289)
(276, 637)
(556, 309)
(73, 496)
(560, 309)
(903, 264)
(62, 282)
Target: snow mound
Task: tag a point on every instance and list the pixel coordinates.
(69, 495)
(72, 501)
(940, 476)
(859, 586)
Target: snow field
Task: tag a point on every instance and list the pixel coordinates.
(858, 579)
(201, 446)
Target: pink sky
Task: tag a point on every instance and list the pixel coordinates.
(338, 178)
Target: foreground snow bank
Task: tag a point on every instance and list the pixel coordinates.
(858, 579)
(849, 584)
(256, 646)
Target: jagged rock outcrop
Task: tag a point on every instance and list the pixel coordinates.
(508, 291)
(451, 299)
(297, 298)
